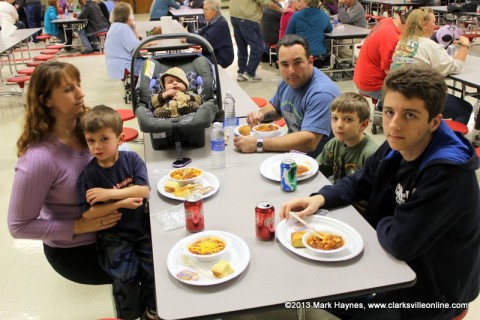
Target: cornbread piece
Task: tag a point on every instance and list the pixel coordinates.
(187, 275)
(296, 238)
(222, 269)
(171, 186)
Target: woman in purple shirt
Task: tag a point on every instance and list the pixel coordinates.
(52, 152)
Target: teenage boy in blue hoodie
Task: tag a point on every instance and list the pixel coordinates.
(423, 198)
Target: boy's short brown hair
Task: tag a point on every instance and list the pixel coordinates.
(351, 102)
(418, 80)
(102, 117)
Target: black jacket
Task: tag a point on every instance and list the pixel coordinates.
(218, 34)
(104, 9)
(96, 21)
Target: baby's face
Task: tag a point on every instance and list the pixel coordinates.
(171, 82)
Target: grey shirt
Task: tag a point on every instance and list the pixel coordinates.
(354, 15)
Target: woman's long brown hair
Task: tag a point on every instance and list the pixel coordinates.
(38, 121)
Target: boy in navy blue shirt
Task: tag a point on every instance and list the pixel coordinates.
(118, 180)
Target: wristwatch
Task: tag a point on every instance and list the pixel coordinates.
(259, 145)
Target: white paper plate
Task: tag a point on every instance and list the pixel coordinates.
(281, 132)
(238, 256)
(354, 240)
(270, 168)
(207, 179)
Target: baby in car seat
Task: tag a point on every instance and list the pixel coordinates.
(174, 99)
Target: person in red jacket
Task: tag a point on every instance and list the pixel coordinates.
(373, 63)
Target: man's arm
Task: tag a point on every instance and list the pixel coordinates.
(266, 114)
(14, 13)
(84, 13)
(304, 141)
(276, 7)
(355, 13)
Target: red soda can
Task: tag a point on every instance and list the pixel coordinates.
(194, 220)
(265, 220)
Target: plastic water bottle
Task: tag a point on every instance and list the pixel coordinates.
(185, 3)
(230, 121)
(66, 13)
(335, 21)
(451, 50)
(217, 145)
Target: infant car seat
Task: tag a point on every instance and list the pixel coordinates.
(189, 128)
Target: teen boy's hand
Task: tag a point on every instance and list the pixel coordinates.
(302, 206)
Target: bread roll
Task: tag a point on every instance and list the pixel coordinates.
(222, 269)
(296, 238)
(244, 130)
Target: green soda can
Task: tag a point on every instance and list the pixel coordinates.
(288, 175)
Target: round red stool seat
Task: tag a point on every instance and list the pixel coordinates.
(260, 102)
(457, 126)
(126, 114)
(130, 134)
(471, 36)
(28, 71)
(280, 122)
(55, 46)
(44, 37)
(34, 63)
(50, 51)
(20, 80)
(44, 57)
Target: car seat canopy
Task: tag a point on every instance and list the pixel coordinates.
(202, 81)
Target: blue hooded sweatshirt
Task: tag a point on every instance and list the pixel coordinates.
(311, 24)
(435, 228)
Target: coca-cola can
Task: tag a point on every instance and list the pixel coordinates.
(265, 220)
(194, 219)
